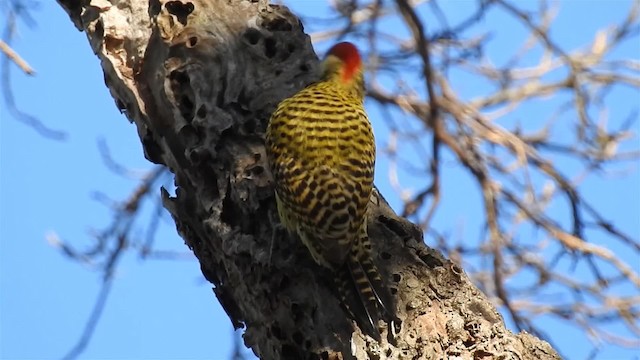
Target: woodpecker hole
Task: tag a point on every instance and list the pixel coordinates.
(291, 48)
(152, 150)
(275, 330)
(385, 255)
(180, 10)
(396, 277)
(180, 86)
(304, 67)
(99, 29)
(198, 156)
(188, 134)
(393, 291)
(258, 170)
(192, 41)
(270, 47)
(228, 214)
(252, 36)
(325, 355)
(254, 170)
(295, 308)
(202, 112)
(249, 126)
(195, 158)
(186, 108)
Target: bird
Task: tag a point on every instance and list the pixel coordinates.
(321, 152)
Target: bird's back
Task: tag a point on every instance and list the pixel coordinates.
(322, 154)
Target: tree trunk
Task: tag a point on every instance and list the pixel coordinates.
(199, 79)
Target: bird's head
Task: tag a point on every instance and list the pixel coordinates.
(343, 66)
(343, 63)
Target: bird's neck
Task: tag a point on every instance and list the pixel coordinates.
(352, 88)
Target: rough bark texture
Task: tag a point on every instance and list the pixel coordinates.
(199, 80)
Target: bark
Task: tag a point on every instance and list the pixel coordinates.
(199, 80)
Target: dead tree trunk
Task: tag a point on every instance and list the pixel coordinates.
(199, 80)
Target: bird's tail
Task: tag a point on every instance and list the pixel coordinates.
(364, 294)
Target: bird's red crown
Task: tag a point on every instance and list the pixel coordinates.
(348, 53)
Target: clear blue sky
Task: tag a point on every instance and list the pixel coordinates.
(163, 309)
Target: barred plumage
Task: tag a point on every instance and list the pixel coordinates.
(321, 152)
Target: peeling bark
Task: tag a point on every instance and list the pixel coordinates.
(199, 80)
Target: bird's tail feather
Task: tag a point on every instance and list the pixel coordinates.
(381, 292)
(357, 297)
(363, 294)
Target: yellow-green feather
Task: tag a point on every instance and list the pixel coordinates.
(321, 152)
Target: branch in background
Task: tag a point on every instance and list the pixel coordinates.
(13, 56)
(507, 164)
(112, 243)
(433, 120)
(17, 10)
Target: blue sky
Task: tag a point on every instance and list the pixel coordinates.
(162, 309)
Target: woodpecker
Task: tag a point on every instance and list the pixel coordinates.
(321, 152)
